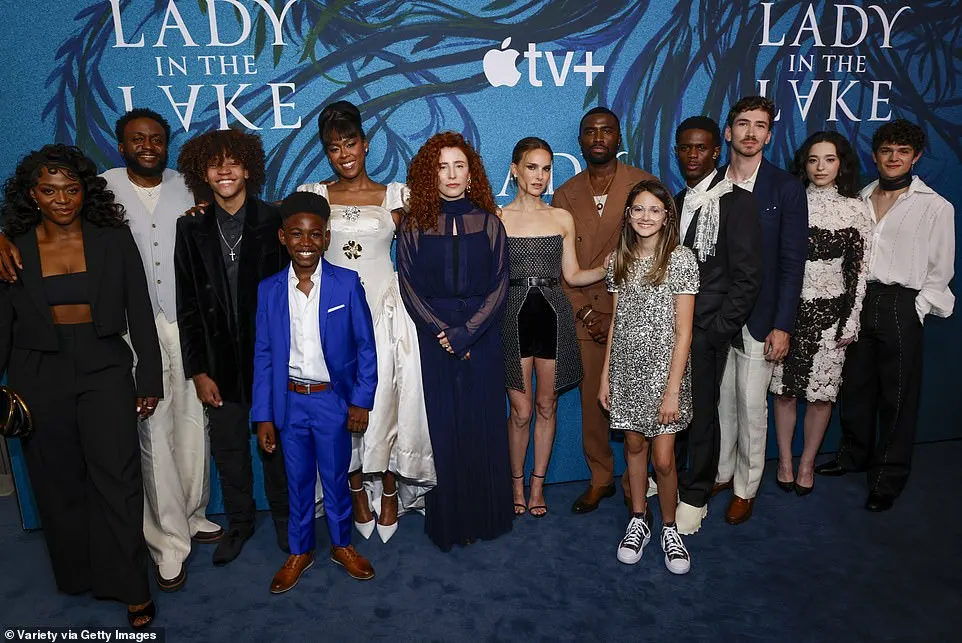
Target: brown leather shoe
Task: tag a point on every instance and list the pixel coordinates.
(588, 501)
(356, 565)
(290, 572)
(739, 510)
(718, 487)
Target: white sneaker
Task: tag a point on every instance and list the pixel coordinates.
(688, 518)
(652, 486)
(636, 537)
(677, 559)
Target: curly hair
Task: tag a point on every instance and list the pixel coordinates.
(848, 166)
(19, 212)
(749, 103)
(423, 181)
(899, 132)
(207, 149)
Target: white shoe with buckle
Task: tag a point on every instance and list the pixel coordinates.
(363, 528)
(386, 531)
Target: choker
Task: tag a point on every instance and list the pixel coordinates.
(891, 185)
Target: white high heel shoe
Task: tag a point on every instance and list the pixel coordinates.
(363, 528)
(386, 531)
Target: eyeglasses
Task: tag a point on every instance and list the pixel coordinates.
(638, 211)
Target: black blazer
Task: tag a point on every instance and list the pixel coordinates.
(212, 341)
(118, 300)
(730, 280)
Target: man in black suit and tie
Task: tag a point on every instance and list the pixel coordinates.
(720, 223)
(220, 257)
(764, 340)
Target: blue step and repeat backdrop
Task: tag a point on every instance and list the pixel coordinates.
(496, 70)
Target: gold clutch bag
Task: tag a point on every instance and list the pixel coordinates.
(15, 419)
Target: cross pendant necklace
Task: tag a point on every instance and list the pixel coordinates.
(230, 247)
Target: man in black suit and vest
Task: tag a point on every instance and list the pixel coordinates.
(719, 221)
(220, 258)
(764, 340)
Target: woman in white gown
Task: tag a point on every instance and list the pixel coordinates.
(391, 462)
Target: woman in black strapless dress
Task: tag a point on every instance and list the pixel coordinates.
(538, 331)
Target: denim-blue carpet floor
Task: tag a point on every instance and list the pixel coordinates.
(817, 568)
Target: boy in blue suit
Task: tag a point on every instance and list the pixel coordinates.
(315, 371)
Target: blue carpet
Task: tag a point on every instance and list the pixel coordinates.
(818, 568)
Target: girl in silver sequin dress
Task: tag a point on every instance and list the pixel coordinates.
(646, 381)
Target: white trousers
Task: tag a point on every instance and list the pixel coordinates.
(175, 457)
(743, 416)
(397, 437)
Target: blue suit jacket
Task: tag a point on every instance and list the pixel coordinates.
(783, 214)
(347, 338)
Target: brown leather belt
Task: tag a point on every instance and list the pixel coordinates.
(307, 389)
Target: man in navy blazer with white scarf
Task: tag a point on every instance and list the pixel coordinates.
(764, 340)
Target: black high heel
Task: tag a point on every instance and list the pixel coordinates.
(518, 506)
(149, 610)
(545, 507)
(787, 487)
(804, 491)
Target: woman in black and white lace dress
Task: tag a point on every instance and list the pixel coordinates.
(831, 300)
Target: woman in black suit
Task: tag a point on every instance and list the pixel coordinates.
(61, 335)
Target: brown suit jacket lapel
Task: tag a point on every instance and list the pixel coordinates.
(613, 215)
(585, 213)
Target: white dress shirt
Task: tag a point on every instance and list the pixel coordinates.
(914, 246)
(307, 356)
(687, 211)
(747, 184)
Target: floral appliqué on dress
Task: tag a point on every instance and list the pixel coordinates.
(352, 249)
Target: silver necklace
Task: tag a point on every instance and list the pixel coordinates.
(230, 247)
(148, 192)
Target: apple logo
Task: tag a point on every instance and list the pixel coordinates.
(500, 67)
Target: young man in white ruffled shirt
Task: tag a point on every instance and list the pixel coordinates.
(910, 266)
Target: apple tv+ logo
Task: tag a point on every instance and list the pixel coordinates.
(501, 66)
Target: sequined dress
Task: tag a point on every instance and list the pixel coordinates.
(642, 343)
(540, 258)
(397, 437)
(831, 302)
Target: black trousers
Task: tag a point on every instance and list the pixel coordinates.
(84, 462)
(230, 435)
(879, 397)
(697, 447)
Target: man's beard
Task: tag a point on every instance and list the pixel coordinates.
(600, 159)
(134, 166)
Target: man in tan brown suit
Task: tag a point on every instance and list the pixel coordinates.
(596, 200)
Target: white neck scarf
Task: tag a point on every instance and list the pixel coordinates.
(706, 229)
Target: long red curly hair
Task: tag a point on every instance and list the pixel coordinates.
(423, 181)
